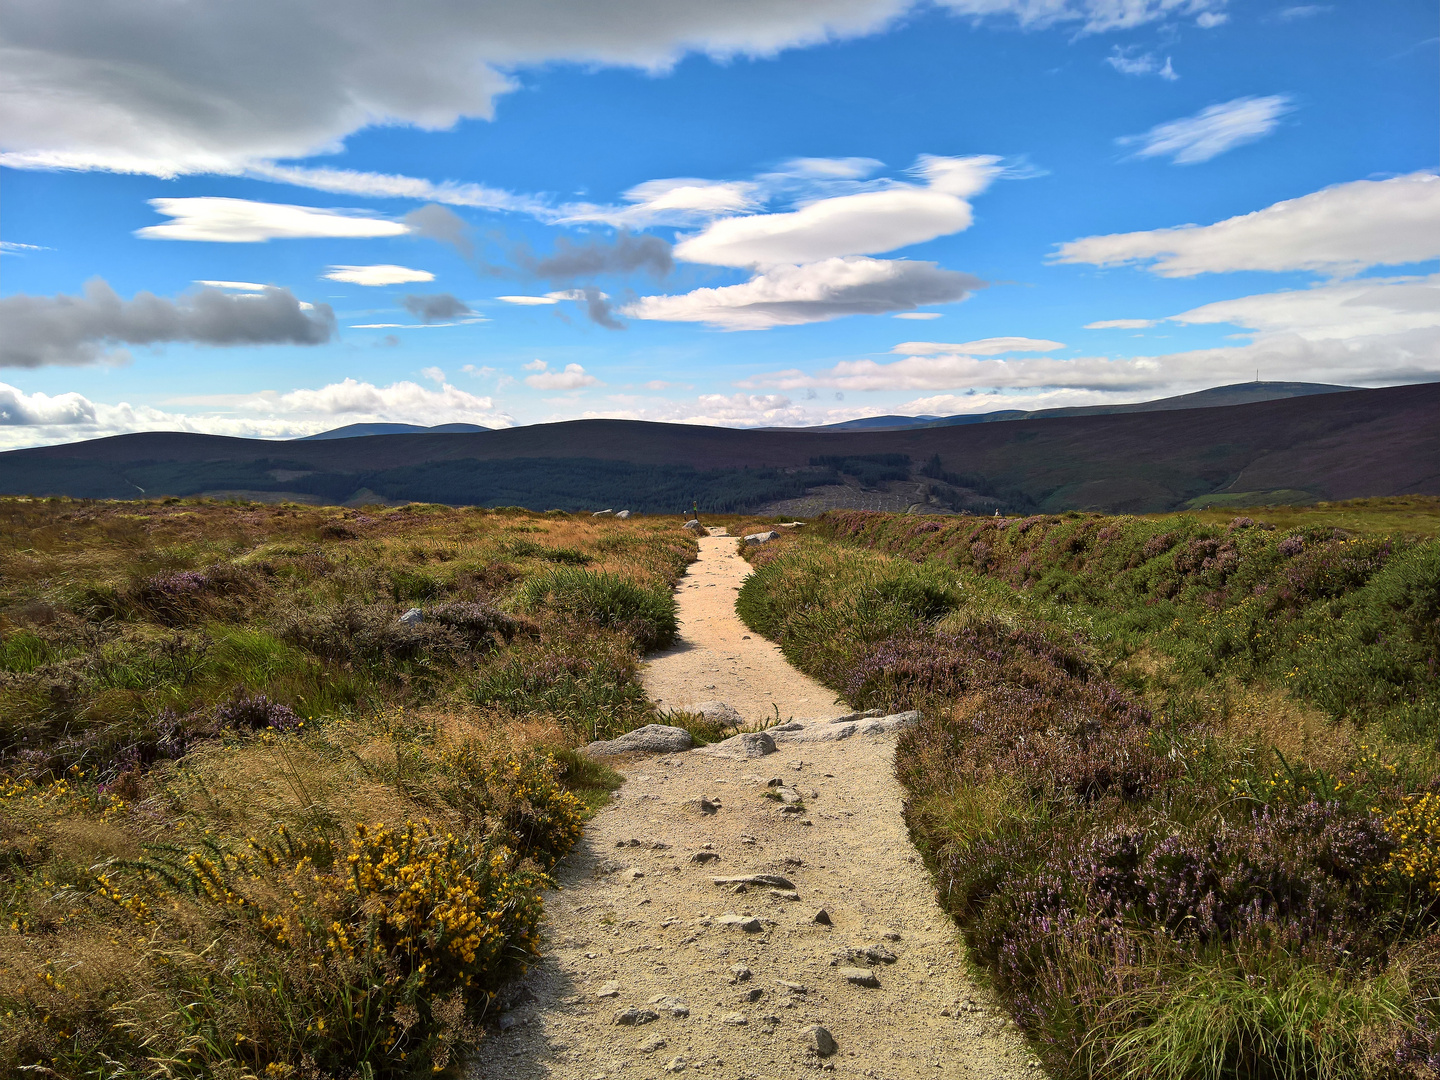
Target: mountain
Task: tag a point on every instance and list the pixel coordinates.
(357, 431)
(1338, 445)
(1215, 397)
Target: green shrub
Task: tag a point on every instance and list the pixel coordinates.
(605, 601)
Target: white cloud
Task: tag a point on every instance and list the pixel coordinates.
(1120, 324)
(816, 292)
(10, 247)
(1130, 61)
(37, 419)
(677, 201)
(382, 274)
(862, 224)
(244, 221)
(1342, 310)
(534, 365)
(147, 86)
(916, 315)
(1212, 131)
(434, 374)
(550, 297)
(574, 377)
(1408, 357)
(1337, 230)
(984, 347)
(1208, 20)
(242, 286)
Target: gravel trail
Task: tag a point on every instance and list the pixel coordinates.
(652, 969)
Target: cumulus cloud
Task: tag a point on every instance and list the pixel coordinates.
(37, 419)
(861, 224)
(792, 295)
(1212, 131)
(916, 315)
(381, 274)
(1120, 324)
(244, 221)
(63, 329)
(434, 307)
(984, 347)
(1130, 61)
(148, 87)
(1337, 230)
(573, 377)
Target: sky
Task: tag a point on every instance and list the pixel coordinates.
(274, 218)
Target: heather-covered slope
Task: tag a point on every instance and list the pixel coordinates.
(1331, 446)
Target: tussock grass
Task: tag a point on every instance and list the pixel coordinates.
(224, 761)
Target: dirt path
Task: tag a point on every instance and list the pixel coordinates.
(726, 980)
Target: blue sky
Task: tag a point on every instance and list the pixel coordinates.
(759, 213)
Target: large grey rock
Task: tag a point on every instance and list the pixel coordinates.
(762, 538)
(843, 728)
(623, 514)
(650, 739)
(694, 526)
(602, 513)
(751, 744)
(718, 712)
(413, 617)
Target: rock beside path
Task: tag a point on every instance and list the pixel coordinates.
(751, 744)
(650, 739)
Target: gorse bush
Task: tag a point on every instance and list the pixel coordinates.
(1154, 886)
(253, 824)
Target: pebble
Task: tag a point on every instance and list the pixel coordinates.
(676, 1064)
(740, 973)
(793, 987)
(735, 1019)
(649, 1046)
(674, 1006)
(609, 989)
(785, 894)
(754, 994)
(709, 806)
(820, 1040)
(822, 917)
(633, 1016)
(703, 857)
(859, 977)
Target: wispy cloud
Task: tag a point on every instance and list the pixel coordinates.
(1212, 131)
(1129, 60)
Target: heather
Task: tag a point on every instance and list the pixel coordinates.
(255, 823)
(1176, 779)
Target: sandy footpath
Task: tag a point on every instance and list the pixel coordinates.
(652, 969)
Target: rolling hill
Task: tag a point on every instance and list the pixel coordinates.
(1215, 397)
(1322, 446)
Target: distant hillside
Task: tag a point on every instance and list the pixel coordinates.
(357, 431)
(1322, 446)
(1215, 397)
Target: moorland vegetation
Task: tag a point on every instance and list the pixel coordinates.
(1177, 777)
(254, 823)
